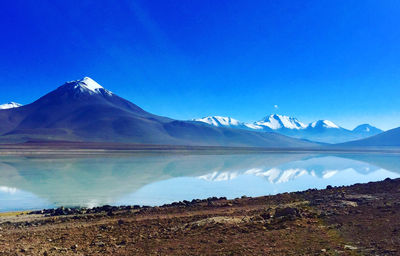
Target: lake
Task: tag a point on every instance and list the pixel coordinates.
(158, 178)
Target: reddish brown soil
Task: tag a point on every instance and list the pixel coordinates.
(362, 219)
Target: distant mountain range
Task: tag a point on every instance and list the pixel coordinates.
(389, 138)
(321, 131)
(82, 110)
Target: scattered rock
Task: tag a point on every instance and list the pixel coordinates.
(350, 247)
(288, 212)
(100, 244)
(217, 228)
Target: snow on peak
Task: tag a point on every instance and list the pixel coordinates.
(10, 105)
(219, 121)
(89, 85)
(279, 121)
(324, 123)
(253, 126)
(275, 122)
(366, 128)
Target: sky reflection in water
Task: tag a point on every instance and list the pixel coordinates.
(155, 179)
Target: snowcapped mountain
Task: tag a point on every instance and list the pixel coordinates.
(222, 121)
(329, 132)
(10, 105)
(276, 122)
(321, 131)
(219, 121)
(272, 122)
(82, 110)
(323, 124)
(368, 129)
(88, 85)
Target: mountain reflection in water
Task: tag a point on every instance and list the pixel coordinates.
(155, 179)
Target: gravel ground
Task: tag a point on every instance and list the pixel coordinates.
(363, 219)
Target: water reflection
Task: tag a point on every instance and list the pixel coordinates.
(153, 179)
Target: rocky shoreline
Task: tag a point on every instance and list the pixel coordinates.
(362, 219)
(109, 210)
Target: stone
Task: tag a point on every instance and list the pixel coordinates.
(287, 212)
(100, 244)
(350, 247)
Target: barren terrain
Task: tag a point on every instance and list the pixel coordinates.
(362, 219)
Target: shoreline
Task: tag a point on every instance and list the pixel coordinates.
(128, 152)
(345, 220)
(87, 149)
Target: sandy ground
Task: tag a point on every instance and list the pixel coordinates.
(363, 219)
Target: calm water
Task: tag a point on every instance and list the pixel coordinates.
(155, 179)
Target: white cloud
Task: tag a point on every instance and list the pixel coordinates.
(276, 106)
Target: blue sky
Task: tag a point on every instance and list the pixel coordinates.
(336, 60)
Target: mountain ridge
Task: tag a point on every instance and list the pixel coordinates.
(324, 131)
(82, 110)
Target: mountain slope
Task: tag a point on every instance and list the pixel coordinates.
(77, 110)
(389, 138)
(82, 110)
